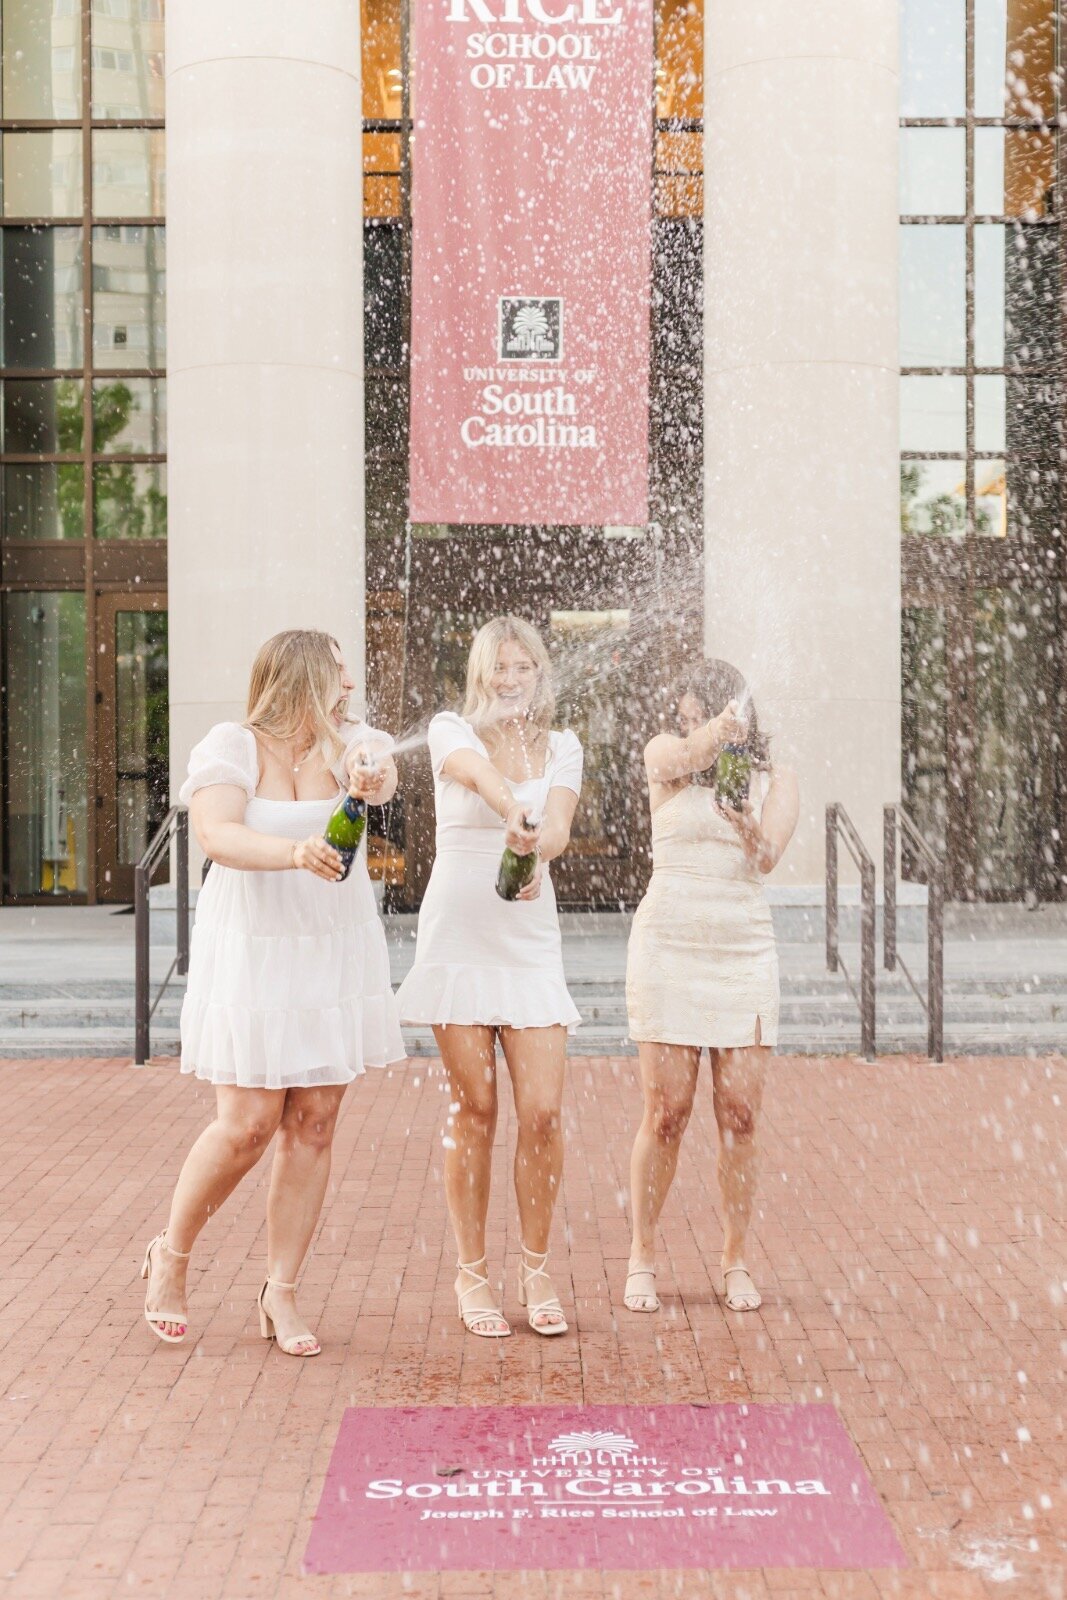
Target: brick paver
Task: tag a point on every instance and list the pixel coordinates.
(909, 1247)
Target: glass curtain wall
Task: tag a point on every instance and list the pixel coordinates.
(982, 393)
(83, 492)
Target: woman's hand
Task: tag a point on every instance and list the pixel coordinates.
(749, 832)
(367, 775)
(531, 890)
(518, 836)
(315, 855)
(730, 726)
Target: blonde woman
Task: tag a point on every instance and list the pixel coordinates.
(488, 969)
(702, 968)
(288, 997)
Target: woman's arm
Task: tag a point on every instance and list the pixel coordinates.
(764, 841)
(670, 758)
(555, 833)
(217, 814)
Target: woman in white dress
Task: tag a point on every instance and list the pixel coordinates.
(702, 968)
(486, 968)
(288, 997)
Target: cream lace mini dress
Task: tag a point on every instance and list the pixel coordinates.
(288, 974)
(480, 959)
(702, 966)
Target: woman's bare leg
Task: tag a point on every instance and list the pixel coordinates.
(298, 1180)
(669, 1081)
(537, 1061)
(469, 1056)
(738, 1078)
(245, 1120)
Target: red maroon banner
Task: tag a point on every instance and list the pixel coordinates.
(515, 1488)
(531, 206)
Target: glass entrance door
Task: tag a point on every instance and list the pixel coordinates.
(133, 783)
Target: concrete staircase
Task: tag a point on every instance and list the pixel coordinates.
(1005, 987)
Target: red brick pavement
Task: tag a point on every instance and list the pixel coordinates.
(910, 1250)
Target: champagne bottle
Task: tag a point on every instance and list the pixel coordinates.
(345, 830)
(515, 871)
(733, 767)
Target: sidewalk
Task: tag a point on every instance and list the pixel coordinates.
(910, 1248)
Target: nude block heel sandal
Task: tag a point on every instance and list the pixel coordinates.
(152, 1317)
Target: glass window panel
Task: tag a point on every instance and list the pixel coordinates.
(932, 55)
(130, 500)
(933, 499)
(127, 59)
(989, 295)
(130, 416)
(1014, 636)
(129, 297)
(932, 295)
(42, 42)
(41, 290)
(1032, 419)
(679, 60)
(142, 766)
(932, 172)
(129, 173)
(924, 722)
(933, 413)
(44, 736)
(42, 174)
(383, 273)
(1014, 172)
(990, 499)
(989, 412)
(383, 80)
(42, 416)
(1015, 58)
(387, 497)
(381, 180)
(44, 500)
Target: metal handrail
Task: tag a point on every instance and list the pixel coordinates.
(897, 823)
(839, 824)
(175, 825)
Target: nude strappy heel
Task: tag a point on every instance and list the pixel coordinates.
(628, 1298)
(740, 1299)
(536, 1309)
(472, 1318)
(152, 1317)
(266, 1325)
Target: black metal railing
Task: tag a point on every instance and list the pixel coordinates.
(175, 825)
(898, 826)
(839, 825)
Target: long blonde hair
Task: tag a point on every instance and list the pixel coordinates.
(481, 664)
(295, 679)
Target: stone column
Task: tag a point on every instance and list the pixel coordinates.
(265, 341)
(801, 392)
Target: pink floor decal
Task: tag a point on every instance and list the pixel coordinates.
(426, 1489)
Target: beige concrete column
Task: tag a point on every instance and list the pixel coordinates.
(801, 391)
(265, 341)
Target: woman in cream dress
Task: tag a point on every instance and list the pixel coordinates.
(702, 969)
(289, 997)
(488, 969)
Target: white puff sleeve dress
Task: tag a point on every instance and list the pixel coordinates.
(288, 974)
(480, 959)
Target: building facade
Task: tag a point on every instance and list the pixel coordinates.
(856, 423)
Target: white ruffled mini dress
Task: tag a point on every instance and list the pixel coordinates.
(480, 959)
(288, 975)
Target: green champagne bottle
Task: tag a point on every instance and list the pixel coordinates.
(515, 871)
(345, 831)
(733, 767)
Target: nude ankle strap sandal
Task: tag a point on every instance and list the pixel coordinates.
(288, 1347)
(154, 1317)
(472, 1318)
(536, 1309)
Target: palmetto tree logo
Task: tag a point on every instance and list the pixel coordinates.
(531, 328)
(583, 1448)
